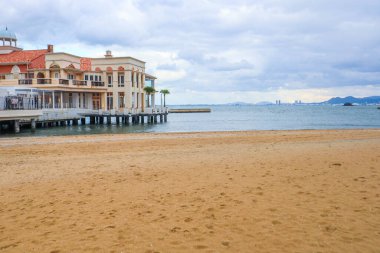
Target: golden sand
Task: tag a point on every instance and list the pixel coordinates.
(262, 191)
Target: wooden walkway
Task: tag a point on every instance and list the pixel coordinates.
(57, 118)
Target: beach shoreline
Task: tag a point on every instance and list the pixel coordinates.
(233, 191)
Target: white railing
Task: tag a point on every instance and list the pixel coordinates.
(156, 109)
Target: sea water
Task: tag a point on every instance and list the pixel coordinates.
(237, 118)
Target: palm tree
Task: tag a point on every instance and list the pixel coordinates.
(149, 91)
(165, 92)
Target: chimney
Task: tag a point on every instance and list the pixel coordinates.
(50, 48)
(108, 54)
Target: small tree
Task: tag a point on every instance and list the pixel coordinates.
(149, 91)
(165, 92)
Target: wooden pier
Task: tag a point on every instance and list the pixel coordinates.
(190, 110)
(15, 120)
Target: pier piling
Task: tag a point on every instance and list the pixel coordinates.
(33, 125)
(16, 126)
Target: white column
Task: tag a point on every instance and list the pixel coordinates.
(106, 105)
(53, 99)
(89, 100)
(61, 99)
(153, 96)
(115, 96)
(43, 99)
(135, 99)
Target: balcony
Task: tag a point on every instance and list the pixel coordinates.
(25, 81)
(97, 84)
(64, 81)
(54, 82)
(79, 82)
(43, 80)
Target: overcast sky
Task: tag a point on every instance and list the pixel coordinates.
(219, 51)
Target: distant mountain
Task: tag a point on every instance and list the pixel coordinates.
(238, 103)
(264, 103)
(354, 100)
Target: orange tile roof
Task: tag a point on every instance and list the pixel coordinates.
(38, 63)
(5, 69)
(22, 56)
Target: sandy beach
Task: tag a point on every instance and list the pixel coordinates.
(258, 191)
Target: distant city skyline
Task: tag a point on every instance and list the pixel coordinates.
(219, 51)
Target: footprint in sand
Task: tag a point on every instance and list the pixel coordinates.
(225, 243)
(200, 247)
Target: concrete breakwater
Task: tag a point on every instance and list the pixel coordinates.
(190, 110)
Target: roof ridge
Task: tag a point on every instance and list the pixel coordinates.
(36, 57)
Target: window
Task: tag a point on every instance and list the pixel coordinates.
(120, 80)
(109, 77)
(109, 100)
(96, 104)
(56, 75)
(91, 78)
(71, 100)
(100, 78)
(86, 77)
(121, 99)
(70, 76)
(96, 78)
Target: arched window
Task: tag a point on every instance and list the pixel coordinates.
(15, 70)
(40, 75)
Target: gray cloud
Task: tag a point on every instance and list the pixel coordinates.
(221, 45)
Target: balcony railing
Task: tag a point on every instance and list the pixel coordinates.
(80, 82)
(97, 83)
(43, 80)
(55, 81)
(64, 81)
(25, 81)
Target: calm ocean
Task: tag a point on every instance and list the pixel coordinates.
(235, 118)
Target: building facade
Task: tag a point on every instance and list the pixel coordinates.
(60, 80)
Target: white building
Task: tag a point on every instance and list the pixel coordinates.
(61, 80)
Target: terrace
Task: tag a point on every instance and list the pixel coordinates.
(51, 81)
